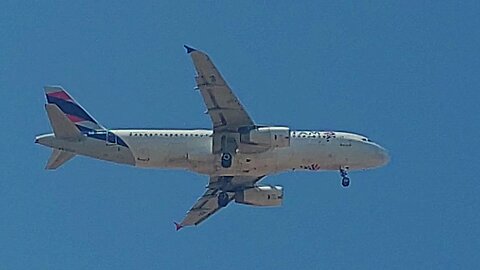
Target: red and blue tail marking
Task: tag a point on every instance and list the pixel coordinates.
(84, 121)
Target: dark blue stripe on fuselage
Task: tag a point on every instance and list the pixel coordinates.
(103, 136)
(84, 129)
(70, 108)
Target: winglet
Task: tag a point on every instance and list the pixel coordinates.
(189, 49)
(177, 226)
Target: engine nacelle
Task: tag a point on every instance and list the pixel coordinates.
(268, 136)
(260, 196)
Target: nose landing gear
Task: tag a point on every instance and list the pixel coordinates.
(345, 179)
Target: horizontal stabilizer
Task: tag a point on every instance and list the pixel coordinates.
(63, 128)
(58, 158)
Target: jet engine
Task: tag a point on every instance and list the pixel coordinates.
(260, 196)
(267, 136)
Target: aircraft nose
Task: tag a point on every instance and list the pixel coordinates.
(382, 155)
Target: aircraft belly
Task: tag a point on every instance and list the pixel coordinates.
(157, 153)
(314, 155)
(196, 155)
(329, 155)
(278, 160)
(172, 153)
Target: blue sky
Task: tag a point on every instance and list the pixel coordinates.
(404, 73)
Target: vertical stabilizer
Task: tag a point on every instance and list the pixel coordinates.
(62, 127)
(58, 96)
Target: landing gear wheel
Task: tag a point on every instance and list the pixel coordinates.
(345, 181)
(223, 199)
(226, 160)
(344, 174)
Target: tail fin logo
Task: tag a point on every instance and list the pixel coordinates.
(72, 110)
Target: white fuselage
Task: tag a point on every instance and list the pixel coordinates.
(192, 150)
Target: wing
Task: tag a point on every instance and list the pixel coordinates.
(224, 108)
(207, 204)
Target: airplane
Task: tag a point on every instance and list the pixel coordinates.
(236, 153)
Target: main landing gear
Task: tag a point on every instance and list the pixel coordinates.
(223, 199)
(226, 160)
(345, 179)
